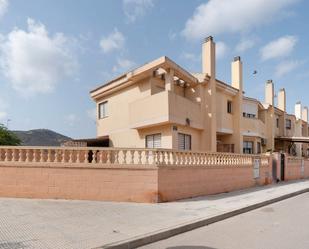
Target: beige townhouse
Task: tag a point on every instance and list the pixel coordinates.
(162, 105)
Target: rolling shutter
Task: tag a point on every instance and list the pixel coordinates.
(181, 141)
(184, 141)
(153, 141)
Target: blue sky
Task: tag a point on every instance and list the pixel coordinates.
(52, 53)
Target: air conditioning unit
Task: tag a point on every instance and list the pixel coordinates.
(264, 141)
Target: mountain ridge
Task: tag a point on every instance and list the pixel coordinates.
(41, 137)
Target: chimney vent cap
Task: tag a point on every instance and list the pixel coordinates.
(269, 81)
(209, 38)
(282, 90)
(237, 58)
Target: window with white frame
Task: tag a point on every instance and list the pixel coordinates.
(103, 110)
(248, 147)
(184, 141)
(153, 141)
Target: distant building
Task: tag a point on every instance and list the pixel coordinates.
(161, 105)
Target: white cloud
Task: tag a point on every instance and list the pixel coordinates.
(114, 41)
(123, 65)
(35, 62)
(3, 7)
(222, 16)
(281, 47)
(286, 67)
(221, 49)
(71, 119)
(135, 9)
(244, 45)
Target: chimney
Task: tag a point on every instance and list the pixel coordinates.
(305, 114)
(298, 110)
(209, 57)
(282, 100)
(237, 77)
(269, 92)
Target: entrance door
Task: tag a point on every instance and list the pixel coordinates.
(282, 168)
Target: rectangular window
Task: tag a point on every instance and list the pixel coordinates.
(103, 110)
(248, 115)
(184, 141)
(229, 106)
(153, 141)
(277, 122)
(288, 124)
(247, 147)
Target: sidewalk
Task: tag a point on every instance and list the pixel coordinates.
(26, 223)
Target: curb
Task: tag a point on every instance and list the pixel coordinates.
(169, 232)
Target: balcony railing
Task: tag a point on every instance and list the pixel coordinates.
(122, 156)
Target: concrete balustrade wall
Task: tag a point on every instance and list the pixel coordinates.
(137, 175)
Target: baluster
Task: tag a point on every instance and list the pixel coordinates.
(139, 157)
(100, 158)
(77, 156)
(15, 153)
(178, 158)
(70, 156)
(49, 155)
(6, 159)
(191, 156)
(181, 158)
(173, 154)
(214, 161)
(108, 157)
(20, 155)
(35, 155)
(156, 157)
(94, 156)
(116, 157)
(131, 154)
(27, 156)
(167, 157)
(63, 154)
(146, 154)
(86, 156)
(197, 158)
(124, 156)
(41, 155)
(162, 159)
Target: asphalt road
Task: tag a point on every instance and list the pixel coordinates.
(283, 225)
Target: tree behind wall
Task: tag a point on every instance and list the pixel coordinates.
(7, 137)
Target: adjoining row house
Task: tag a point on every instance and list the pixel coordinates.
(161, 105)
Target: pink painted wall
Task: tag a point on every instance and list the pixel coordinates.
(184, 182)
(80, 183)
